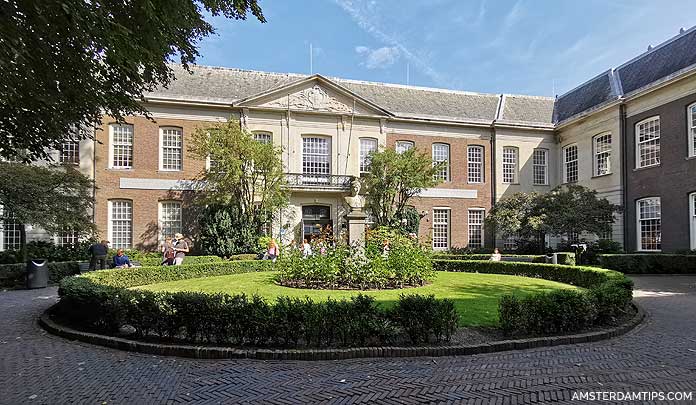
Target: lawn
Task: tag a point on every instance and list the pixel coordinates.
(475, 295)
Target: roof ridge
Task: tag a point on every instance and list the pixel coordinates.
(658, 46)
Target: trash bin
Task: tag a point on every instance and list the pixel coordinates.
(37, 273)
(552, 258)
(84, 267)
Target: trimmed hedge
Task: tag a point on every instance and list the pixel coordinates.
(103, 301)
(606, 297)
(156, 260)
(647, 263)
(13, 275)
(566, 258)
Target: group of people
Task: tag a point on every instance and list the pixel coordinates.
(173, 253)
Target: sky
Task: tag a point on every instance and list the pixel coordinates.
(533, 47)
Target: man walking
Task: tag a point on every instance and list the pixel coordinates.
(98, 252)
(181, 248)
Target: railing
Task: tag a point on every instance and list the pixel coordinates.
(320, 181)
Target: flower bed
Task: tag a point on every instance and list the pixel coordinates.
(403, 264)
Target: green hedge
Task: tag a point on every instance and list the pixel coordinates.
(566, 258)
(606, 297)
(103, 301)
(647, 263)
(156, 259)
(12, 275)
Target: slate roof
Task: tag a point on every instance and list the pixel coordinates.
(526, 109)
(226, 85)
(673, 56)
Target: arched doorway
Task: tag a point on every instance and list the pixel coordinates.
(314, 219)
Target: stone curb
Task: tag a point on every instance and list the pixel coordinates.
(210, 352)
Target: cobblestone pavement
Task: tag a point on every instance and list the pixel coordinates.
(660, 355)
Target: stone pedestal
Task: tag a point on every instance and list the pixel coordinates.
(356, 228)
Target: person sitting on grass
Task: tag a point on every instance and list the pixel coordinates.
(121, 260)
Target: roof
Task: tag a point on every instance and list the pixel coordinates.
(227, 85)
(674, 56)
(518, 109)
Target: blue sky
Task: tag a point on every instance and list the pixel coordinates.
(491, 46)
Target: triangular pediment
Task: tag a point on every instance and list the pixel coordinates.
(314, 94)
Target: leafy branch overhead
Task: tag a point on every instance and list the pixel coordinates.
(65, 63)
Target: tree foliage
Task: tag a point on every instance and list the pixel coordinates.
(566, 210)
(64, 63)
(54, 198)
(246, 178)
(394, 179)
(223, 232)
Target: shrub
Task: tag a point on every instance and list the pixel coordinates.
(554, 312)
(600, 247)
(12, 275)
(244, 256)
(477, 256)
(423, 316)
(646, 263)
(100, 301)
(49, 251)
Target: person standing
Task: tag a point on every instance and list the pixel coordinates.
(98, 252)
(181, 247)
(272, 252)
(306, 248)
(168, 253)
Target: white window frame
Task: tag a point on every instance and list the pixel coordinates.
(444, 173)
(177, 228)
(180, 148)
(448, 225)
(403, 146)
(639, 144)
(691, 125)
(110, 227)
(370, 145)
(112, 146)
(316, 175)
(264, 137)
(16, 237)
(74, 157)
(598, 154)
(692, 219)
(541, 166)
(566, 162)
(470, 225)
(639, 242)
(511, 167)
(475, 163)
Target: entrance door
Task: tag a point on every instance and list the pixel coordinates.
(314, 219)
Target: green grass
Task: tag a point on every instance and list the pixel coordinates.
(475, 295)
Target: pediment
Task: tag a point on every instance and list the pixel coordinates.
(315, 95)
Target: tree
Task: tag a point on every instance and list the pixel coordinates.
(57, 199)
(223, 232)
(565, 210)
(573, 209)
(65, 63)
(245, 178)
(394, 179)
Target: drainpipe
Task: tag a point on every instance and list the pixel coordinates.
(624, 171)
(493, 177)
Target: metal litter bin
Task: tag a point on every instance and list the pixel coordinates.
(37, 273)
(552, 258)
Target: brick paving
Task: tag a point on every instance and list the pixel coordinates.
(660, 355)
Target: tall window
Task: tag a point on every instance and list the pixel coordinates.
(263, 137)
(10, 237)
(509, 165)
(121, 224)
(475, 164)
(692, 219)
(403, 146)
(441, 233)
(476, 228)
(316, 155)
(367, 146)
(169, 218)
(540, 164)
(692, 129)
(441, 153)
(648, 142)
(510, 243)
(602, 154)
(570, 164)
(67, 238)
(121, 146)
(171, 148)
(649, 214)
(69, 152)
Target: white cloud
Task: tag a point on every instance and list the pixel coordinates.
(379, 58)
(364, 14)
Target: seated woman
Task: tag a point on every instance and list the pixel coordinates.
(496, 256)
(121, 260)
